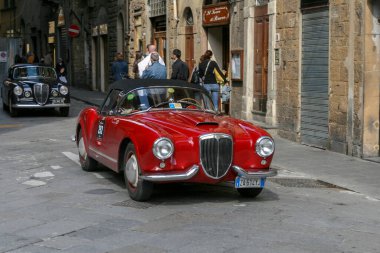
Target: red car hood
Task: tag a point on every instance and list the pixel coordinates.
(195, 123)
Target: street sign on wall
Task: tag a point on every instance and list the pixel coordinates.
(73, 31)
(3, 56)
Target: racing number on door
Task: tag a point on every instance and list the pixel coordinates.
(100, 131)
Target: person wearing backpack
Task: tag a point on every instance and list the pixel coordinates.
(180, 70)
(206, 72)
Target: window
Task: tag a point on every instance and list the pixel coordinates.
(313, 3)
(157, 8)
(9, 4)
(208, 2)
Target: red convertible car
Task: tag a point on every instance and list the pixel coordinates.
(160, 131)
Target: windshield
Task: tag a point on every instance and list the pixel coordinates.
(34, 72)
(165, 98)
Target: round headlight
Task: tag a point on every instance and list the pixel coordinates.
(163, 148)
(27, 94)
(264, 146)
(54, 93)
(17, 90)
(63, 90)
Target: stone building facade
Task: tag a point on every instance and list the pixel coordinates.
(328, 75)
(102, 32)
(21, 19)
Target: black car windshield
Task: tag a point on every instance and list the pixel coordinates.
(165, 98)
(26, 72)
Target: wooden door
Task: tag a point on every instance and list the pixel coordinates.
(189, 47)
(261, 31)
(159, 40)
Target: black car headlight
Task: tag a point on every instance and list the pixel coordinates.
(265, 146)
(64, 90)
(163, 148)
(17, 90)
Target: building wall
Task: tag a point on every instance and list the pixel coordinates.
(371, 77)
(354, 75)
(288, 72)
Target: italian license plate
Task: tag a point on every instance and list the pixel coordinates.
(241, 182)
(58, 101)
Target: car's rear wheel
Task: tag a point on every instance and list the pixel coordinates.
(249, 192)
(86, 162)
(64, 111)
(12, 111)
(138, 189)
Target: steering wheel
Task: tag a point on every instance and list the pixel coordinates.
(192, 100)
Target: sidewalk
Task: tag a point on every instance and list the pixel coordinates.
(349, 172)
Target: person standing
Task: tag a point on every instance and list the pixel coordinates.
(30, 58)
(60, 67)
(146, 61)
(156, 70)
(180, 70)
(135, 69)
(48, 59)
(206, 72)
(119, 67)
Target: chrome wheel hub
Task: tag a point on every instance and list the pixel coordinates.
(131, 171)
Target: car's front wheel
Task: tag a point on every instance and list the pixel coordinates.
(5, 107)
(86, 162)
(64, 111)
(249, 192)
(138, 189)
(12, 111)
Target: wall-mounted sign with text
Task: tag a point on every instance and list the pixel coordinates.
(218, 14)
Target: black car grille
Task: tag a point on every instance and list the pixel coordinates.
(216, 154)
(41, 93)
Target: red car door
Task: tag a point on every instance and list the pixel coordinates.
(103, 143)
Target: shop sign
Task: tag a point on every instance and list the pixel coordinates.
(95, 31)
(103, 29)
(61, 18)
(216, 15)
(51, 39)
(51, 27)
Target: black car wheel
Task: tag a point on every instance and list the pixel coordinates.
(138, 189)
(12, 111)
(5, 107)
(86, 162)
(64, 111)
(249, 192)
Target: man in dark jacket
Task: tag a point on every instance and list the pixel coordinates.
(180, 70)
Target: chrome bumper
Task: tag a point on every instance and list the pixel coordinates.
(165, 177)
(243, 173)
(36, 106)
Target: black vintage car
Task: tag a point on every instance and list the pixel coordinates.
(32, 86)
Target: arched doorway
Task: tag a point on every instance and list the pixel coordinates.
(189, 37)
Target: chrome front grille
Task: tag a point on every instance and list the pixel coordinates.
(216, 154)
(41, 93)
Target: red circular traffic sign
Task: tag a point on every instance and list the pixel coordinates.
(74, 31)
